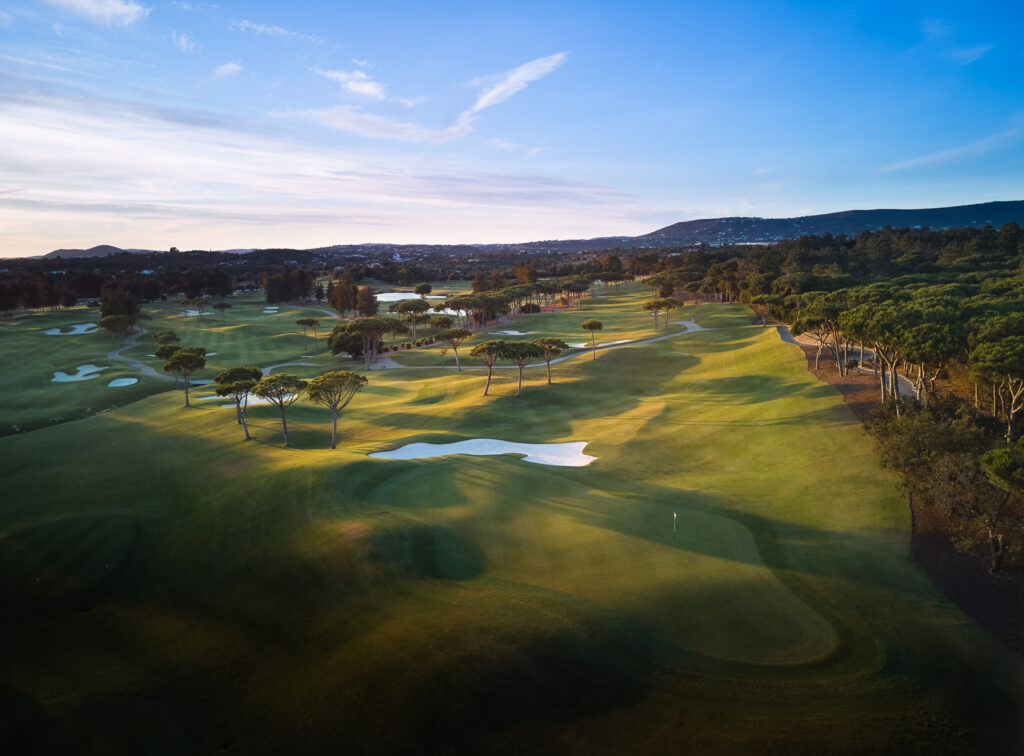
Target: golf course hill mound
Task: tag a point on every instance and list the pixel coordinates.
(388, 551)
(46, 564)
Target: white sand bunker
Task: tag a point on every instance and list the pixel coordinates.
(83, 373)
(75, 330)
(398, 296)
(194, 313)
(513, 333)
(568, 454)
(117, 382)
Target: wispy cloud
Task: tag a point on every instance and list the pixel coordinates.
(149, 177)
(496, 89)
(966, 55)
(185, 43)
(761, 171)
(507, 84)
(362, 84)
(935, 28)
(6, 20)
(224, 70)
(366, 124)
(354, 82)
(275, 31)
(942, 36)
(104, 12)
(504, 145)
(507, 145)
(973, 149)
(361, 63)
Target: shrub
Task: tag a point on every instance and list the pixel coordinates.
(530, 307)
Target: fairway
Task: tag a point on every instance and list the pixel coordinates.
(247, 597)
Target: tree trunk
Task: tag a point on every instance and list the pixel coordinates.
(238, 411)
(549, 372)
(186, 392)
(995, 544)
(490, 369)
(414, 326)
(817, 357)
(458, 365)
(975, 395)
(519, 388)
(284, 426)
(245, 427)
(334, 429)
(593, 342)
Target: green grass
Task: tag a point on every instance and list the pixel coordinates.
(269, 598)
(31, 357)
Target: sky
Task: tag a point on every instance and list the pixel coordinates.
(265, 124)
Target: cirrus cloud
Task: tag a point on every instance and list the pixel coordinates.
(496, 89)
(104, 12)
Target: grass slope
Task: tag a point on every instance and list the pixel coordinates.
(264, 598)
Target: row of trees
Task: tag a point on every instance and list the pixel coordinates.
(332, 390)
(925, 330)
(519, 353)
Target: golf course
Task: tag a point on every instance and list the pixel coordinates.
(728, 574)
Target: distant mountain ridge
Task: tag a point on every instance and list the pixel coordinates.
(721, 231)
(105, 250)
(101, 250)
(712, 231)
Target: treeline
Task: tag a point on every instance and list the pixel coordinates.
(55, 290)
(291, 284)
(943, 310)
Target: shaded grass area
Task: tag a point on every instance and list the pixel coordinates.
(300, 599)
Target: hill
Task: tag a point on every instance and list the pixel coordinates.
(713, 231)
(101, 250)
(720, 231)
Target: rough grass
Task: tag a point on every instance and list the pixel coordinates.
(312, 599)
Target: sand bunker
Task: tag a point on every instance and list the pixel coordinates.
(75, 330)
(117, 382)
(398, 296)
(568, 454)
(513, 333)
(194, 313)
(84, 373)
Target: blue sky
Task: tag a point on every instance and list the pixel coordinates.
(231, 125)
